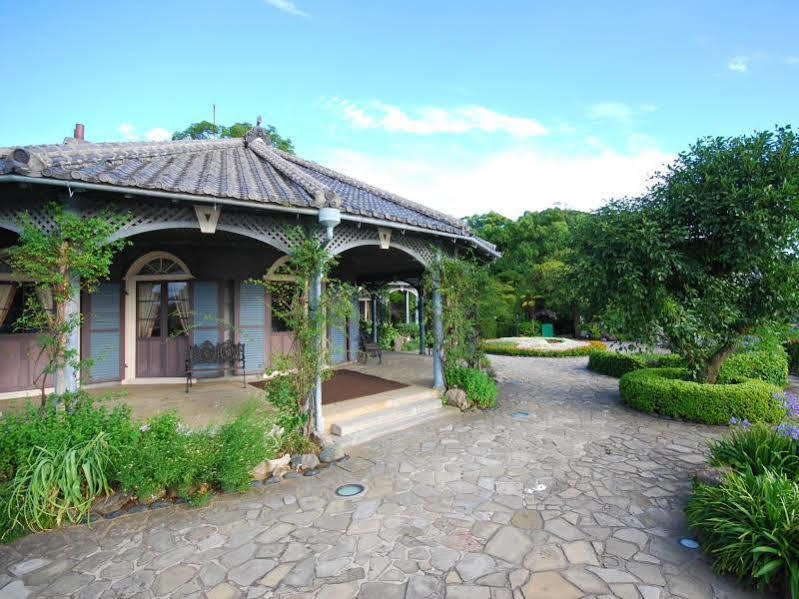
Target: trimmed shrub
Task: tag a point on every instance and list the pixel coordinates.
(509, 349)
(765, 365)
(479, 387)
(620, 363)
(529, 328)
(750, 525)
(756, 449)
(667, 391)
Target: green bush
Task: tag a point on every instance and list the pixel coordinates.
(505, 348)
(750, 526)
(666, 391)
(479, 387)
(770, 366)
(52, 486)
(756, 449)
(620, 363)
(53, 463)
(52, 429)
(529, 328)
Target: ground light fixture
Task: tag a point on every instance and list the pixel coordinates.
(350, 490)
(689, 543)
(520, 414)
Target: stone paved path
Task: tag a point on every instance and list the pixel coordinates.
(581, 498)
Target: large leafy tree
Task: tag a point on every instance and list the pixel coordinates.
(536, 259)
(206, 130)
(707, 256)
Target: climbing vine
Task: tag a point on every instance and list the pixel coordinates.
(459, 287)
(306, 311)
(74, 254)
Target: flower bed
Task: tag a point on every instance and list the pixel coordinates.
(748, 520)
(540, 347)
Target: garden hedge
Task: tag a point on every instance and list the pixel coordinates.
(667, 391)
(478, 386)
(766, 365)
(618, 364)
(509, 349)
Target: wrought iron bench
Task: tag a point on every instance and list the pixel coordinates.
(214, 357)
(369, 348)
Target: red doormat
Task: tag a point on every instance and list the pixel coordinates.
(349, 384)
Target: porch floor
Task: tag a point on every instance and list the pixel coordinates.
(212, 401)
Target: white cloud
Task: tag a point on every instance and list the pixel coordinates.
(792, 59)
(616, 111)
(127, 131)
(158, 134)
(430, 120)
(509, 181)
(287, 6)
(739, 64)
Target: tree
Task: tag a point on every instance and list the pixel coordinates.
(707, 255)
(74, 254)
(206, 130)
(536, 253)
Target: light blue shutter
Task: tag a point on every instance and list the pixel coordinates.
(338, 341)
(206, 320)
(252, 320)
(104, 334)
(354, 329)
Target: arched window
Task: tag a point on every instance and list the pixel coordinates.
(282, 288)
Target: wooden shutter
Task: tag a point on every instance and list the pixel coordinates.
(103, 326)
(252, 325)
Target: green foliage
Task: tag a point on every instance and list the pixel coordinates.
(536, 261)
(75, 253)
(170, 456)
(53, 463)
(707, 256)
(505, 348)
(530, 328)
(618, 364)
(53, 485)
(206, 130)
(54, 428)
(667, 391)
(765, 365)
(306, 314)
(386, 334)
(756, 449)
(479, 387)
(409, 329)
(457, 283)
(792, 349)
(750, 526)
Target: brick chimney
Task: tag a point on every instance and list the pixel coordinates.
(78, 131)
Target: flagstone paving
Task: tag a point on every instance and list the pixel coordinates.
(580, 498)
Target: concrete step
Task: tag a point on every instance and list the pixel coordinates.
(392, 426)
(352, 408)
(378, 417)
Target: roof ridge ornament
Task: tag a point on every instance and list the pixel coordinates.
(257, 132)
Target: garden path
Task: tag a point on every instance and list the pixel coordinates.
(581, 497)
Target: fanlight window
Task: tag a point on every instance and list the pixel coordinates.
(162, 266)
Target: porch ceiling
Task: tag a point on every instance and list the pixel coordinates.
(370, 264)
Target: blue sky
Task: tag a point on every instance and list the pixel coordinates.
(466, 106)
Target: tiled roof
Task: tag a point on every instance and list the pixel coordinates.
(247, 169)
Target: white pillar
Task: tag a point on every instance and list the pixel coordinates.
(407, 307)
(316, 294)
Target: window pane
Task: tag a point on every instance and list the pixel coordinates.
(149, 309)
(281, 303)
(178, 309)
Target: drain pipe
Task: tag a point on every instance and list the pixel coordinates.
(328, 218)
